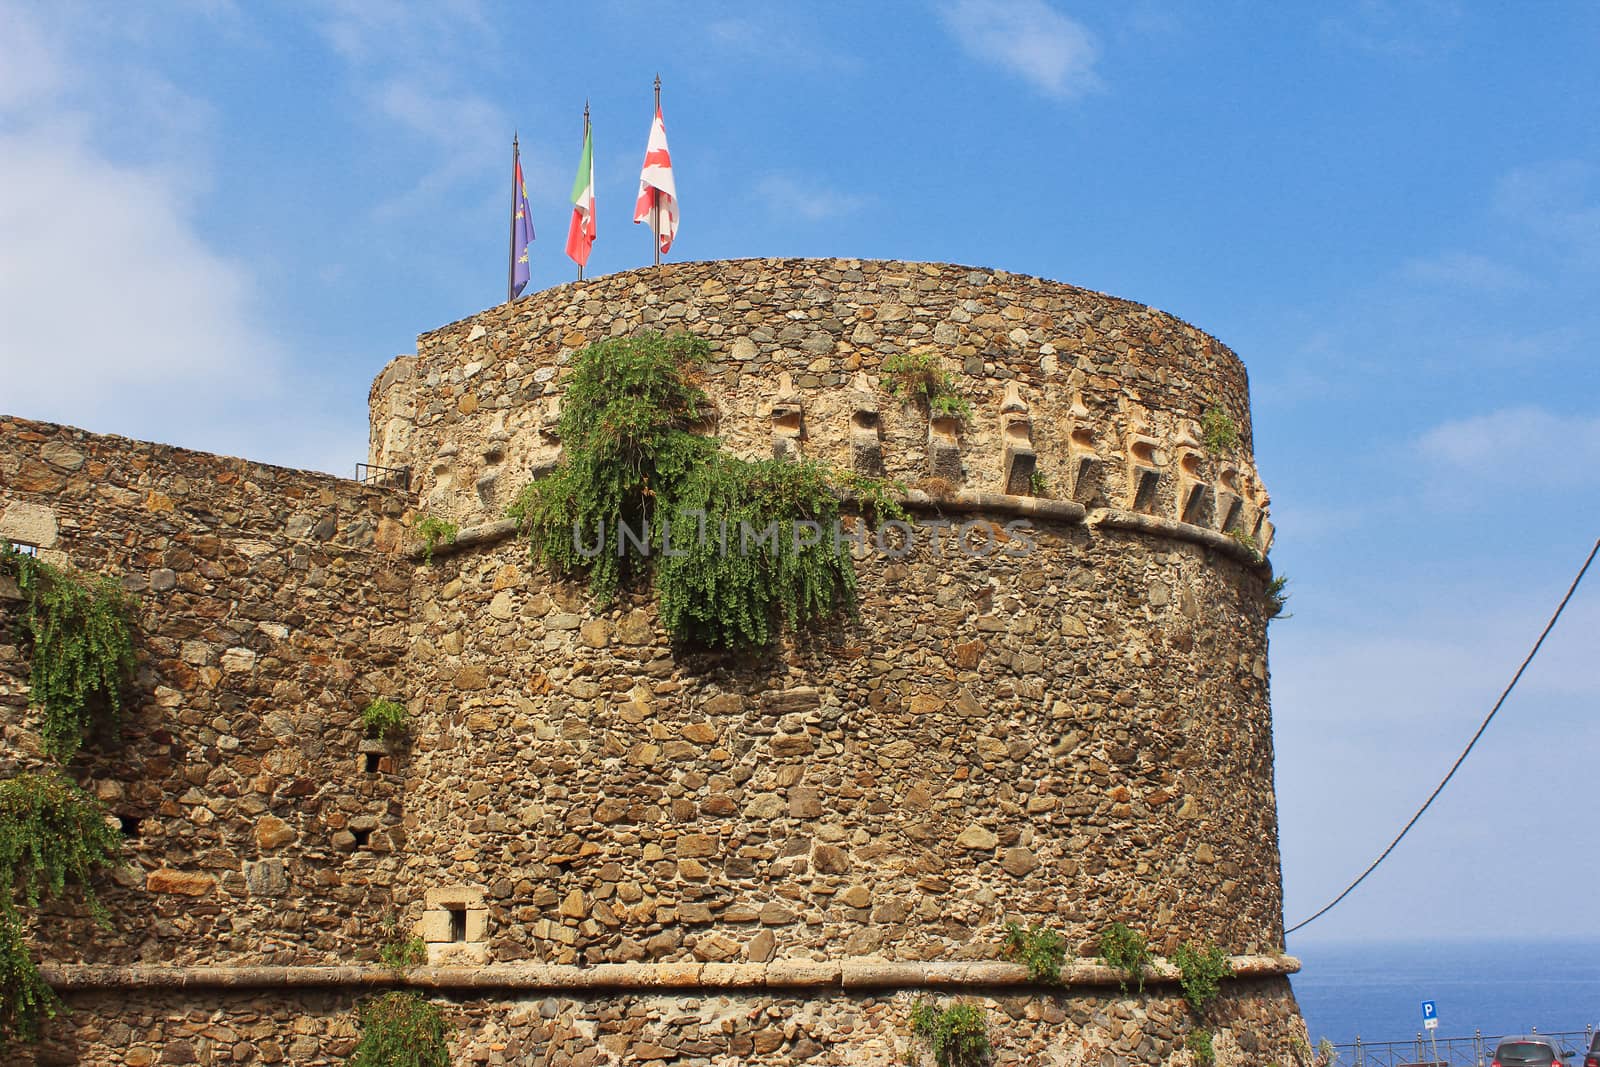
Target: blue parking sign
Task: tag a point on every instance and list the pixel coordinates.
(1429, 1011)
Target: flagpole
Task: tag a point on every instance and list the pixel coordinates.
(591, 164)
(511, 254)
(655, 203)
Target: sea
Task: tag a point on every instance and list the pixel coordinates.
(1375, 990)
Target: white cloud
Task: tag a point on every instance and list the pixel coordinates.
(1030, 38)
(1518, 446)
(789, 195)
(1465, 270)
(120, 317)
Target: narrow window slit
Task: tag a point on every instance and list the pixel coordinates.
(372, 759)
(458, 922)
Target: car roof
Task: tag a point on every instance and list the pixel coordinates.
(1539, 1039)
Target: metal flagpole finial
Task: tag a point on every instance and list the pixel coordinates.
(658, 91)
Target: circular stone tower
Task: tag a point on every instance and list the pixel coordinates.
(1052, 711)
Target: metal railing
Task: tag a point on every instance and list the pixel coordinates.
(387, 477)
(1474, 1051)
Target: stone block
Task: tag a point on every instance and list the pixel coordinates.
(266, 878)
(29, 524)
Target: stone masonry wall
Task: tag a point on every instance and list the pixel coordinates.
(1070, 728)
(1254, 1024)
(1074, 736)
(270, 610)
(1110, 387)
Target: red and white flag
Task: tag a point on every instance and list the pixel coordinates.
(658, 197)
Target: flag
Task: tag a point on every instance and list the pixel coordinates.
(658, 198)
(580, 234)
(521, 228)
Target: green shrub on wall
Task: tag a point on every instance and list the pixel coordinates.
(1202, 971)
(385, 720)
(80, 631)
(52, 835)
(958, 1036)
(727, 541)
(1126, 950)
(401, 1030)
(1040, 949)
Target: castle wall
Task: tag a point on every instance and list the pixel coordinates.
(1112, 388)
(705, 858)
(1252, 1022)
(270, 611)
(1074, 736)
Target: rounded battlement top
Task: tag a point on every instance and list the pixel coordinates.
(1073, 393)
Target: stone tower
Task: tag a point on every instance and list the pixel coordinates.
(1053, 709)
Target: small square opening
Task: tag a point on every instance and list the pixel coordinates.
(362, 837)
(370, 761)
(458, 922)
(130, 825)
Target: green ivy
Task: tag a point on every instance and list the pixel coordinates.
(81, 632)
(631, 458)
(52, 834)
(1199, 1043)
(1039, 948)
(958, 1036)
(1219, 432)
(1126, 950)
(402, 951)
(384, 718)
(1278, 597)
(434, 532)
(401, 1030)
(1201, 971)
(920, 377)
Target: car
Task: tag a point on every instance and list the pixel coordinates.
(1530, 1051)
(1593, 1058)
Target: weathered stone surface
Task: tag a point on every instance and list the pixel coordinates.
(1076, 719)
(186, 883)
(271, 832)
(978, 838)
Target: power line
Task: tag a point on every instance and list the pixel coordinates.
(1459, 759)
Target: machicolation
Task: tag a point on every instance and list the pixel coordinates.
(617, 850)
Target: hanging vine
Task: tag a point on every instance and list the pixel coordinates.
(52, 835)
(81, 632)
(737, 548)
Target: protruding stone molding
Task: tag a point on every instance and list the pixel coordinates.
(1016, 432)
(1068, 512)
(1115, 519)
(788, 419)
(968, 500)
(630, 977)
(1146, 460)
(866, 428)
(488, 533)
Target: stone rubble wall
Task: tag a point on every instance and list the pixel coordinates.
(272, 607)
(1075, 736)
(1072, 736)
(1107, 381)
(1254, 1025)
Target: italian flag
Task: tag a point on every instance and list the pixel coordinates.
(580, 234)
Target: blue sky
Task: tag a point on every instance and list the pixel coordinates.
(218, 221)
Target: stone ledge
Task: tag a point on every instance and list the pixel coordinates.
(644, 977)
(968, 500)
(1115, 519)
